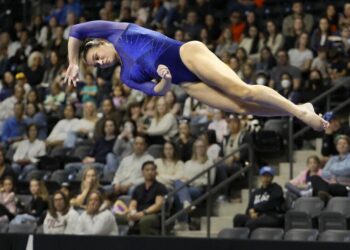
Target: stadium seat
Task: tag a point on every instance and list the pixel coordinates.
(304, 213)
(35, 174)
(234, 233)
(278, 125)
(123, 230)
(335, 235)
(267, 234)
(39, 230)
(336, 215)
(297, 234)
(156, 150)
(59, 176)
(22, 228)
(197, 129)
(4, 227)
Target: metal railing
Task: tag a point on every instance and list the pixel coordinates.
(210, 190)
(325, 95)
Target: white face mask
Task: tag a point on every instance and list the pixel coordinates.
(261, 81)
(285, 83)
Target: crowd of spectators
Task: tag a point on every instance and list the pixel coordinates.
(101, 133)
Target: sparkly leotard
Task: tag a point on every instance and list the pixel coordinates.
(140, 50)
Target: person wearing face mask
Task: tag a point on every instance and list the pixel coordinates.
(261, 78)
(315, 88)
(287, 89)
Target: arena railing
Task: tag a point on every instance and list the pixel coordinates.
(211, 190)
(325, 96)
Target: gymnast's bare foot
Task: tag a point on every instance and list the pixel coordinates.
(311, 118)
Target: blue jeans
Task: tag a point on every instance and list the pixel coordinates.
(186, 194)
(23, 171)
(23, 218)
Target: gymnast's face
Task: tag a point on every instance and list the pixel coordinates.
(102, 56)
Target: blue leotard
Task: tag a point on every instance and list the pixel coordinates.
(140, 50)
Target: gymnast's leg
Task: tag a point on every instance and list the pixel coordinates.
(212, 71)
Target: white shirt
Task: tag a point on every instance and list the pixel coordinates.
(60, 131)
(84, 124)
(63, 224)
(30, 150)
(7, 107)
(102, 223)
(166, 126)
(129, 169)
(192, 168)
(220, 127)
(169, 172)
(213, 152)
(297, 58)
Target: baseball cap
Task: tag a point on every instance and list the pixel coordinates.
(266, 170)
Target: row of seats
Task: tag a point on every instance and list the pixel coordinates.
(311, 212)
(279, 234)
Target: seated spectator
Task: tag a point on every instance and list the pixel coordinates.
(301, 185)
(225, 43)
(146, 203)
(320, 36)
(204, 38)
(123, 146)
(214, 149)
(34, 115)
(345, 16)
(195, 111)
(52, 70)
(129, 173)
(7, 106)
(298, 12)
(22, 81)
(169, 167)
(100, 156)
(337, 64)
(171, 100)
(5, 168)
(219, 125)
(108, 112)
(134, 113)
(196, 165)
(37, 206)
(83, 129)
(27, 152)
(61, 218)
(54, 101)
(119, 98)
(34, 70)
(236, 26)
(163, 125)
(94, 220)
(89, 91)
(335, 178)
(334, 129)
(282, 67)
(248, 73)
(192, 26)
(7, 200)
(287, 89)
(332, 16)
(301, 56)
(273, 39)
(320, 62)
(6, 85)
(266, 60)
(237, 136)
(251, 43)
(33, 98)
(298, 29)
(14, 127)
(265, 204)
(61, 130)
(184, 140)
(89, 183)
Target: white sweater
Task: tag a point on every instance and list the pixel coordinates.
(168, 173)
(102, 223)
(193, 168)
(26, 149)
(167, 126)
(63, 224)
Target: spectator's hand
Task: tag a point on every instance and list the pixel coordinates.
(252, 213)
(72, 74)
(136, 217)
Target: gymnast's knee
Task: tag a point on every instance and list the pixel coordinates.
(246, 93)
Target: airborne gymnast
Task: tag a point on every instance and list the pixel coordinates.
(147, 55)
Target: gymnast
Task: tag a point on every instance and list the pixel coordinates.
(151, 62)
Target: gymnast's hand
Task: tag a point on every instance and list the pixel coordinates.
(164, 72)
(72, 74)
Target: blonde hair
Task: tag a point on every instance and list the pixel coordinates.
(83, 181)
(194, 152)
(33, 55)
(42, 192)
(157, 115)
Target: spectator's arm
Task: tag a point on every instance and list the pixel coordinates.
(275, 201)
(163, 126)
(341, 168)
(133, 205)
(156, 207)
(327, 144)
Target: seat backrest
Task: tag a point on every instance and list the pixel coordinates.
(22, 228)
(59, 176)
(297, 234)
(267, 234)
(36, 174)
(339, 204)
(278, 125)
(156, 150)
(310, 205)
(335, 236)
(234, 233)
(4, 227)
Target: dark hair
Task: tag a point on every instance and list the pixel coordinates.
(144, 138)
(133, 105)
(176, 152)
(87, 45)
(211, 136)
(30, 126)
(148, 163)
(314, 157)
(104, 124)
(52, 209)
(9, 178)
